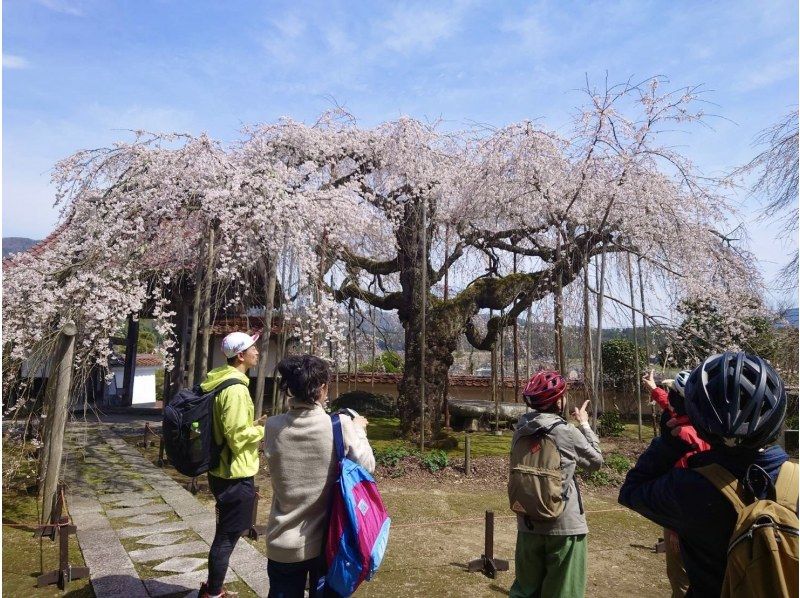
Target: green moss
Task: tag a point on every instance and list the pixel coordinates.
(21, 552)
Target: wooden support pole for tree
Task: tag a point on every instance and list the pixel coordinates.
(588, 365)
(646, 338)
(601, 275)
(502, 364)
(191, 350)
(635, 351)
(57, 398)
(424, 307)
(558, 317)
(495, 396)
(528, 344)
(269, 270)
(446, 389)
(515, 341)
(208, 281)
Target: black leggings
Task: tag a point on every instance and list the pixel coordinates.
(218, 557)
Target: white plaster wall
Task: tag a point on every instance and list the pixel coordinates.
(144, 383)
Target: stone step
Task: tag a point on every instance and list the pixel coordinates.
(164, 552)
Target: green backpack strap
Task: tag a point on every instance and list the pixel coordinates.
(724, 481)
(786, 486)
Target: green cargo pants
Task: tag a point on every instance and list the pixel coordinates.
(549, 566)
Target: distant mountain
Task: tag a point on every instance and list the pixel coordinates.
(17, 244)
(789, 318)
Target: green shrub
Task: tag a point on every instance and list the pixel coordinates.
(391, 456)
(611, 423)
(601, 477)
(435, 460)
(619, 463)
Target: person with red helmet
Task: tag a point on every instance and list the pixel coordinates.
(550, 556)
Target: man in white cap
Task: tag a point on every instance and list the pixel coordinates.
(231, 481)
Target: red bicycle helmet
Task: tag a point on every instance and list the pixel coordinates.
(544, 389)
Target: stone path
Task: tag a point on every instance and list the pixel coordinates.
(131, 514)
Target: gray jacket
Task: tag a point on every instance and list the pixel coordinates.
(578, 446)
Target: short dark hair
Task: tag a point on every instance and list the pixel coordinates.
(303, 376)
(232, 361)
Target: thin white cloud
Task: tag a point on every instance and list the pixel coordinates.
(12, 61)
(67, 7)
(414, 28)
(761, 76)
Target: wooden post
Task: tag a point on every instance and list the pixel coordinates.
(467, 454)
(208, 281)
(637, 382)
(487, 564)
(269, 269)
(57, 397)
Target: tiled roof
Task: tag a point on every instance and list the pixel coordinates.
(242, 323)
(467, 381)
(148, 359)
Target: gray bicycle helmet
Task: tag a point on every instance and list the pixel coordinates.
(736, 398)
(679, 384)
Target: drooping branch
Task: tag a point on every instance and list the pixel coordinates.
(350, 289)
(369, 265)
(520, 290)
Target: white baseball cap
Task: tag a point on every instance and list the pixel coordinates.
(236, 342)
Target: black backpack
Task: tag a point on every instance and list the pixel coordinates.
(188, 431)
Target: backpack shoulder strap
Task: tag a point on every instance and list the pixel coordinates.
(724, 481)
(227, 384)
(786, 486)
(338, 439)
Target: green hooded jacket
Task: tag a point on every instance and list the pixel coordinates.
(233, 425)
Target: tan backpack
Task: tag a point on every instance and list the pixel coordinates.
(535, 482)
(763, 551)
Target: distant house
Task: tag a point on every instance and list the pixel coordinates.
(144, 379)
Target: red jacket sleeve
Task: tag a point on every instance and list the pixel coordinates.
(659, 395)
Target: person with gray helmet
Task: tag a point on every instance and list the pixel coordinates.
(737, 403)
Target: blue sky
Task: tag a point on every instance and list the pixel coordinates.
(78, 72)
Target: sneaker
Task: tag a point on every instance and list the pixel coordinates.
(203, 593)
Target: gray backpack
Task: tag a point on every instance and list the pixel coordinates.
(536, 483)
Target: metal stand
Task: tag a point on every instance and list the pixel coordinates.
(194, 487)
(660, 547)
(255, 530)
(161, 460)
(148, 432)
(487, 564)
(60, 527)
